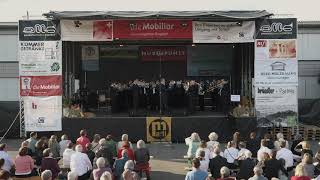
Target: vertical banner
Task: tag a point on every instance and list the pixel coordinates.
(158, 129)
(90, 58)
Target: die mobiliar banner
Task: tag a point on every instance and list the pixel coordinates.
(40, 85)
(153, 29)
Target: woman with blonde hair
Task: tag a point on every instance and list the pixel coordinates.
(193, 143)
(307, 162)
(305, 148)
(213, 141)
(54, 146)
(300, 174)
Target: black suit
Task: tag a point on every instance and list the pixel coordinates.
(246, 168)
(216, 164)
(272, 168)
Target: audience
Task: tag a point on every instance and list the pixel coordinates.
(196, 173)
(217, 163)
(243, 151)
(63, 144)
(203, 147)
(49, 163)
(124, 139)
(90, 153)
(72, 175)
(4, 175)
(80, 163)
(236, 139)
(269, 142)
(213, 141)
(300, 173)
(8, 162)
(118, 165)
(106, 176)
(303, 147)
(280, 138)
(46, 175)
(95, 142)
(128, 173)
(286, 154)
(193, 143)
(142, 157)
(295, 142)
(225, 174)
(26, 144)
(317, 164)
(231, 154)
(54, 146)
(83, 140)
(246, 165)
(253, 144)
(111, 145)
(126, 147)
(105, 152)
(273, 166)
(101, 164)
(258, 174)
(24, 164)
(263, 149)
(307, 163)
(204, 164)
(67, 155)
(41, 145)
(32, 141)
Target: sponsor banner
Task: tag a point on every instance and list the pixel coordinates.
(276, 106)
(275, 49)
(282, 28)
(43, 113)
(40, 58)
(90, 58)
(116, 52)
(165, 53)
(153, 29)
(40, 85)
(223, 32)
(158, 129)
(39, 30)
(87, 30)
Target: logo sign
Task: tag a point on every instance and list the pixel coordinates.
(163, 53)
(40, 85)
(39, 30)
(277, 28)
(158, 129)
(153, 29)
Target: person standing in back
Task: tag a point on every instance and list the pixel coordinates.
(83, 140)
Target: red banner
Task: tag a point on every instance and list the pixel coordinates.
(103, 30)
(40, 85)
(152, 29)
(166, 53)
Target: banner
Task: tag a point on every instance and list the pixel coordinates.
(223, 32)
(43, 113)
(119, 53)
(40, 85)
(39, 30)
(38, 58)
(87, 30)
(90, 58)
(163, 53)
(285, 28)
(153, 29)
(276, 106)
(158, 129)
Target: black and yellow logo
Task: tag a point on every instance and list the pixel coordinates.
(158, 129)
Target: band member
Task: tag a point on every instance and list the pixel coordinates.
(201, 92)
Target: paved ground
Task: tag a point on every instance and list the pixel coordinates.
(167, 164)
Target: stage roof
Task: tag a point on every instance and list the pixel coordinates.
(206, 15)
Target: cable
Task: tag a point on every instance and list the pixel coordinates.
(10, 127)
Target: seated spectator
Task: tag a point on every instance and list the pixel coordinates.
(213, 141)
(317, 164)
(126, 146)
(217, 163)
(83, 140)
(128, 173)
(280, 137)
(72, 176)
(67, 155)
(243, 151)
(80, 164)
(286, 154)
(49, 163)
(193, 143)
(95, 142)
(46, 175)
(104, 152)
(246, 165)
(305, 148)
(8, 163)
(265, 157)
(307, 163)
(300, 173)
(213, 154)
(1, 163)
(203, 147)
(236, 139)
(124, 139)
(32, 141)
(106, 176)
(297, 139)
(63, 144)
(26, 144)
(263, 149)
(101, 164)
(253, 144)
(54, 146)
(142, 157)
(258, 174)
(225, 174)
(24, 164)
(41, 145)
(196, 173)
(118, 165)
(269, 142)
(204, 164)
(5, 175)
(90, 153)
(112, 145)
(273, 166)
(231, 154)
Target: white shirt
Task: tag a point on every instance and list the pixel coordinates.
(80, 163)
(287, 155)
(207, 153)
(242, 154)
(261, 151)
(231, 154)
(63, 146)
(67, 157)
(204, 165)
(277, 145)
(212, 144)
(8, 163)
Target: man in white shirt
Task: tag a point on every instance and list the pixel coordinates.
(231, 153)
(80, 164)
(285, 154)
(8, 163)
(263, 149)
(66, 156)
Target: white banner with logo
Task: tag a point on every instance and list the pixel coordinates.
(40, 58)
(86, 30)
(43, 113)
(223, 32)
(276, 106)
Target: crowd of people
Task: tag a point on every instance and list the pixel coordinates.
(99, 159)
(253, 159)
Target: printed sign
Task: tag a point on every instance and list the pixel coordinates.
(223, 32)
(276, 106)
(285, 28)
(158, 129)
(153, 29)
(43, 113)
(40, 85)
(90, 58)
(163, 53)
(39, 30)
